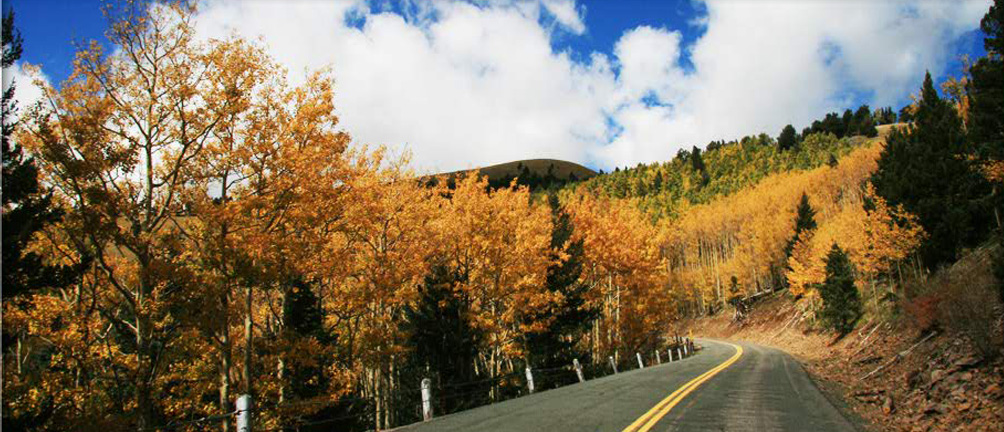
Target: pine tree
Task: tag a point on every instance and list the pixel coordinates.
(841, 302)
(26, 206)
(986, 96)
(788, 138)
(927, 169)
(863, 123)
(986, 90)
(555, 346)
(696, 161)
(846, 124)
(303, 326)
(805, 220)
(442, 339)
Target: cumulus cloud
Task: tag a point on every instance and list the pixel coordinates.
(463, 85)
(566, 13)
(26, 93)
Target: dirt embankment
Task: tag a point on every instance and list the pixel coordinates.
(895, 376)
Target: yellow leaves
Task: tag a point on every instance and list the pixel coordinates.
(500, 240)
(744, 234)
(993, 171)
(807, 268)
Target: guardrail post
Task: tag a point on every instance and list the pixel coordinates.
(613, 365)
(244, 413)
(426, 399)
(658, 359)
(529, 379)
(578, 370)
(685, 349)
(679, 353)
(640, 364)
(669, 354)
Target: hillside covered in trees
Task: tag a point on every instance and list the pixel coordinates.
(698, 176)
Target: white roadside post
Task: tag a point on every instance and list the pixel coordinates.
(640, 364)
(426, 399)
(685, 350)
(578, 370)
(679, 353)
(529, 379)
(244, 413)
(658, 359)
(669, 354)
(613, 365)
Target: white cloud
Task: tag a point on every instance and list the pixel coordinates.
(26, 93)
(762, 65)
(649, 63)
(463, 85)
(566, 13)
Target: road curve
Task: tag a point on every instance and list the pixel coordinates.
(764, 389)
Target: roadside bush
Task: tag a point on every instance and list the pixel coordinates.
(923, 310)
(969, 300)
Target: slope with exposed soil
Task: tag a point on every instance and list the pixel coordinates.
(890, 371)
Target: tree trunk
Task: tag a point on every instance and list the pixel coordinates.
(225, 361)
(248, 342)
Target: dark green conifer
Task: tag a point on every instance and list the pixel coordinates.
(841, 302)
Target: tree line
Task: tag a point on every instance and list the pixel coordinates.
(187, 226)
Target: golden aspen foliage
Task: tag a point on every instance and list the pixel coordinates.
(499, 240)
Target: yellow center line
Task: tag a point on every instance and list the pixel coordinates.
(650, 418)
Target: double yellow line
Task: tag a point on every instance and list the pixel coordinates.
(647, 421)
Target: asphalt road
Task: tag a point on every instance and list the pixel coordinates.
(762, 389)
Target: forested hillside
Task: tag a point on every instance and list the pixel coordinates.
(698, 176)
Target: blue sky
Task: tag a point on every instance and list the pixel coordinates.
(613, 83)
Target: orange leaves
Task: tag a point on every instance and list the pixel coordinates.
(500, 240)
(625, 267)
(875, 239)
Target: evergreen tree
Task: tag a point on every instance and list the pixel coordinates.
(833, 124)
(841, 302)
(805, 220)
(846, 124)
(986, 89)
(555, 346)
(442, 339)
(906, 114)
(927, 169)
(787, 139)
(696, 161)
(657, 182)
(26, 209)
(863, 123)
(303, 319)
